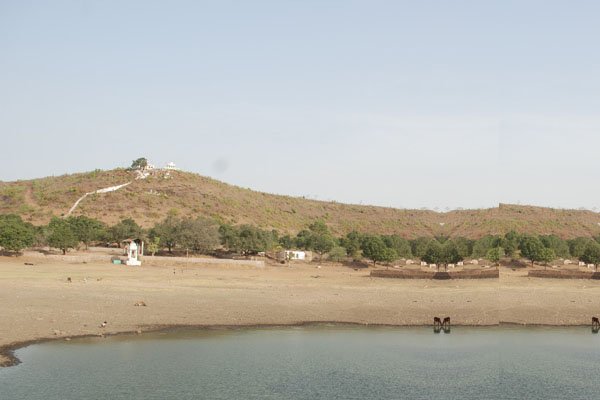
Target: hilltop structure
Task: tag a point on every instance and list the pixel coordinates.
(171, 166)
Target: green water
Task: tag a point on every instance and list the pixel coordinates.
(324, 362)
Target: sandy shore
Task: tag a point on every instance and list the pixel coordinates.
(38, 303)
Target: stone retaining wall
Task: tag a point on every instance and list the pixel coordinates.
(476, 274)
(408, 274)
(564, 274)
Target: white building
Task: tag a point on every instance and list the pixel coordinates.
(134, 251)
(295, 255)
(290, 255)
(171, 166)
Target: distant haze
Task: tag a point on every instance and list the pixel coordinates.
(394, 103)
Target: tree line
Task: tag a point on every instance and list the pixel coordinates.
(204, 236)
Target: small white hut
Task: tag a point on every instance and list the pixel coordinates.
(295, 255)
(134, 249)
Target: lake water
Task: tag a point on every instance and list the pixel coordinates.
(325, 362)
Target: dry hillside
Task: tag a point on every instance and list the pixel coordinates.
(149, 200)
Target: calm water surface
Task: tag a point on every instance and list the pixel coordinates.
(314, 363)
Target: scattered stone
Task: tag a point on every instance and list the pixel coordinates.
(139, 331)
(56, 332)
(102, 325)
(315, 276)
(140, 304)
(27, 263)
(68, 339)
(69, 280)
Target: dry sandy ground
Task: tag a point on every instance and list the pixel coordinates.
(36, 302)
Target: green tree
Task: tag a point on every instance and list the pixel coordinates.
(40, 235)
(303, 239)
(153, 245)
(86, 229)
(450, 253)
(434, 253)
(287, 242)
(15, 234)
(547, 255)
(125, 229)
(336, 254)
(322, 243)
(464, 247)
(495, 254)
(591, 254)
(140, 163)
(319, 227)
(352, 242)
(419, 246)
(374, 248)
(558, 245)
(254, 240)
(534, 250)
(510, 243)
(200, 235)
(247, 239)
(230, 237)
(400, 245)
(61, 235)
(578, 245)
(484, 244)
(168, 231)
(317, 238)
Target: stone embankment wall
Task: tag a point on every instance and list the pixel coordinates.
(469, 274)
(564, 274)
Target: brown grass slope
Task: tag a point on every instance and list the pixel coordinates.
(151, 199)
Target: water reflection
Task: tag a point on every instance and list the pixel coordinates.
(332, 362)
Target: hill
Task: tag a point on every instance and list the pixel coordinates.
(151, 199)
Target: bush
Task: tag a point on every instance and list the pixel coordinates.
(61, 236)
(15, 234)
(338, 253)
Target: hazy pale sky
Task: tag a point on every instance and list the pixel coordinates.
(395, 103)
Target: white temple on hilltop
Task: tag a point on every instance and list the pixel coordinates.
(171, 166)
